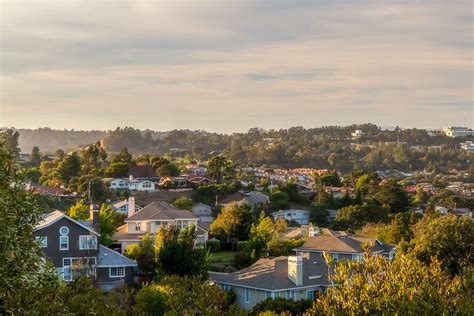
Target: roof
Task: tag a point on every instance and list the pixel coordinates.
(142, 198)
(111, 258)
(48, 190)
(146, 171)
(121, 233)
(347, 244)
(160, 211)
(53, 217)
(255, 197)
(282, 212)
(206, 226)
(272, 274)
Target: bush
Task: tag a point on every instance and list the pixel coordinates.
(278, 247)
(213, 245)
(281, 305)
(150, 300)
(241, 260)
(241, 245)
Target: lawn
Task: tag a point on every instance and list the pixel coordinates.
(220, 261)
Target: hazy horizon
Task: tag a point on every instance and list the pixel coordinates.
(229, 66)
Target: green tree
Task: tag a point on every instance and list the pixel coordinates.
(123, 156)
(234, 223)
(109, 221)
(117, 170)
(356, 216)
(35, 157)
(282, 306)
(402, 287)
(80, 211)
(331, 179)
(69, 167)
(393, 195)
(28, 284)
(400, 228)
(177, 254)
(168, 170)
(221, 169)
(9, 141)
(151, 300)
(183, 203)
(449, 239)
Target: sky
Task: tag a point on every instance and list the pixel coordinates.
(228, 66)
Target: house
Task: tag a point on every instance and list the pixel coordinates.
(199, 180)
(462, 211)
(132, 184)
(299, 216)
(175, 182)
(151, 218)
(203, 211)
(252, 198)
(73, 247)
(124, 205)
(48, 190)
(297, 277)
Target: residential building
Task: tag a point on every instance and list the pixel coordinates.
(299, 216)
(468, 145)
(174, 182)
(203, 212)
(49, 190)
(151, 218)
(297, 277)
(73, 247)
(123, 206)
(132, 184)
(357, 134)
(453, 131)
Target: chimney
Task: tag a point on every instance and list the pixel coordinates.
(95, 217)
(130, 177)
(313, 231)
(131, 206)
(295, 270)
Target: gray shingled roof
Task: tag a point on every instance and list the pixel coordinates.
(160, 211)
(272, 274)
(111, 258)
(346, 244)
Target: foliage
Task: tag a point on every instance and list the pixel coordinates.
(28, 284)
(146, 258)
(117, 170)
(183, 203)
(132, 251)
(221, 169)
(69, 167)
(9, 141)
(281, 305)
(400, 228)
(378, 231)
(279, 247)
(35, 157)
(404, 287)
(213, 245)
(176, 253)
(356, 216)
(168, 170)
(110, 220)
(183, 296)
(331, 179)
(393, 195)
(449, 239)
(123, 156)
(80, 211)
(233, 222)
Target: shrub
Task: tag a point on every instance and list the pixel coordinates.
(241, 245)
(281, 305)
(241, 260)
(213, 245)
(278, 247)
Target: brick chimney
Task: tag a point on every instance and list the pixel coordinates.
(95, 217)
(295, 270)
(131, 206)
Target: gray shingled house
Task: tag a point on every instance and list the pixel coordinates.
(73, 247)
(296, 277)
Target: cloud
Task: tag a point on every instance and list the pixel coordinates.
(229, 66)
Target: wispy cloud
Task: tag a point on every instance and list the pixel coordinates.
(232, 65)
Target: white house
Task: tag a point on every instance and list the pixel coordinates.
(132, 184)
(203, 211)
(299, 216)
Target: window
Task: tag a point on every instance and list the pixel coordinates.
(63, 242)
(138, 226)
(247, 295)
(87, 242)
(335, 256)
(116, 272)
(310, 295)
(268, 294)
(289, 294)
(64, 231)
(43, 241)
(357, 257)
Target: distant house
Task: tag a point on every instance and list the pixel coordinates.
(252, 198)
(151, 218)
(124, 206)
(73, 247)
(299, 216)
(49, 190)
(203, 211)
(132, 184)
(462, 211)
(296, 277)
(199, 180)
(175, 182)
